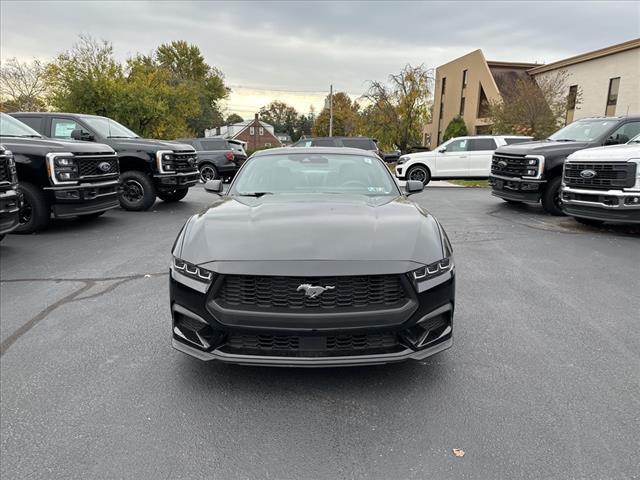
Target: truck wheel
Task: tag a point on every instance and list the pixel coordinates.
(207, 172)
(138, 192)
(551, 197)
(589, 221)
(35, 211)
(173, 195)
(420, 173)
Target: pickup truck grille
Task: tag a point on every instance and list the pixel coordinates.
(608, 175)
(5, 176)
(88, 166)
(349, 292)
(508, 165)
(317, 346)
(185, 162)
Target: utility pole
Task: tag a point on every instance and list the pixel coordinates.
(331, 110)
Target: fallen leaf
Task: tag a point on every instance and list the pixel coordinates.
(458, 452)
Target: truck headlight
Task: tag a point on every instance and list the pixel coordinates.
(402, 160)
(62, 167)
(433, 270)
(535, 161)
(636, 186)
(165, 160)
(192, 271)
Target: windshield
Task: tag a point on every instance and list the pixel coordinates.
(314, 173)
(105, 127)
(583, 130)
(10, 127)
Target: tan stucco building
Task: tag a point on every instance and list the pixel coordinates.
(464, 87)
(608, 81)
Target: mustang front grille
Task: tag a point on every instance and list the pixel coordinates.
(348, 292)
(600, 175)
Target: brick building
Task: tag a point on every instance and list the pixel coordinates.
(255, 133)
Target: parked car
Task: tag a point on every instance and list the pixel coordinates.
(9, 199)
(238, 150)
(363, 143)
(532, 172)
(149, 168)
(460, 157)
(63, 179)
(602, 184)
(277, 289)
(216, 158)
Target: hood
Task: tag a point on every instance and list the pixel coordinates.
(148, 145)
(614, 153)
(542, 147)
(311, 228)
(27, 146)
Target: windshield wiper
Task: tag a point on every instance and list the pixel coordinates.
(255, 194)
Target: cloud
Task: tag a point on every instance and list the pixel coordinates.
(308, 45)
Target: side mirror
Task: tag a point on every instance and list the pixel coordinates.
(214, 186)
(442, 150)
(413, 186)
(79, 134)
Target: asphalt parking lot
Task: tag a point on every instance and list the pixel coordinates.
(543, 380)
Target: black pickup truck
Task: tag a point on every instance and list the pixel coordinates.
(149, 168)
(532, 171)
(63, 179)
(9, 200)
(216, 158)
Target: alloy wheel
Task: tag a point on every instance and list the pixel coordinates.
(133, 191)
(207, 173)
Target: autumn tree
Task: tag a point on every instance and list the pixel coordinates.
(283, 117)
(345, 117)
(535, 107)
(22, 85)
(233, 118)
(399, 108)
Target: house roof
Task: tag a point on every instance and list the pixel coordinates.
(584, 57)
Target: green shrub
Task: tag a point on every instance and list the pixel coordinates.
(456, 128)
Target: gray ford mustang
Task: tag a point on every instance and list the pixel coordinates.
(314, 257)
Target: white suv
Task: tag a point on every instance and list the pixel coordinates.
(461, 157)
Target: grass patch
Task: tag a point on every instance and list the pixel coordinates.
(470, 183)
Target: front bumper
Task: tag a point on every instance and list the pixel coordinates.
(606, 205)
(169, 181)
(516, 188)
(84, 198)
(423, 331)
(9, 211)
(401, 172)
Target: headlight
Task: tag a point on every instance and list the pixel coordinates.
(165, 161)
(636, 186)
(62, 167)
(433, 270)
(192, 271)
(402, 160)
(534, 166)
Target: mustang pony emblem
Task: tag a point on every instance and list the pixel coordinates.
(313, 291)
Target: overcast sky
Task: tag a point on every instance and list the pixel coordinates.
(293, 50)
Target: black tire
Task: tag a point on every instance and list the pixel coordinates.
(173, 195)
(589, 221)
(138, 193)
(420, 173)
(512, 202)
(89, 216)
(551, 200)
(208, 171)
(35, 211)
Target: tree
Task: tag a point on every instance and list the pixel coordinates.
(456, 128)
(398, 109)
(345, 117)
(233, 118)
(283, 117)
(535, 107)
(23, 85)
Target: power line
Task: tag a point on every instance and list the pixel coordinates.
(264, 89)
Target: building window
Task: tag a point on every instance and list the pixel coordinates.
(612, 97)
(444, 86)
(572, 98)
(483, 104)
(462, 106)
(252, 131)
(464, 78)
(441, 109)
(261, 131)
